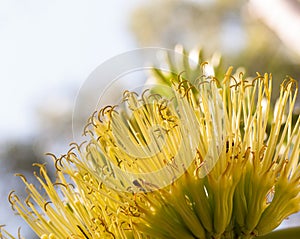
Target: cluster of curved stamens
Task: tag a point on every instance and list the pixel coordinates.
(104, 187)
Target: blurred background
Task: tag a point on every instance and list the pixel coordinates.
(49, 48)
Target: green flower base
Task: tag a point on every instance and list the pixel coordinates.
(289, 233)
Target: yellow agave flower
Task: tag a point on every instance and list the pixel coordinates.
(202, 162)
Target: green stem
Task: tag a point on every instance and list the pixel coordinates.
(245, 236)
(290, 233)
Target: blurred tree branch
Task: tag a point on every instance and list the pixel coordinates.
(230, 27)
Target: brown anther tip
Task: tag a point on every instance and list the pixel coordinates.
(51, 155)
(21, 176)
(45, 205)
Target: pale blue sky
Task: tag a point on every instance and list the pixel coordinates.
(45, 45)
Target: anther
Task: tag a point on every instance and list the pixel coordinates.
(45, 205)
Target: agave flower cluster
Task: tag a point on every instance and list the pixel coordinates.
(209, 160)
